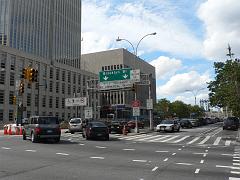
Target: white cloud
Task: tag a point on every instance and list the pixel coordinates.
(221, 19)
(165, 66)
(190, 99)
(132, 21)
(179, 83)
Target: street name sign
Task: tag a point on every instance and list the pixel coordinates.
(136, 111)
(81, 101)
(88, 113)
(149, 104)
(114, 75)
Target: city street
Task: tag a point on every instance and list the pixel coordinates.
(173, 156)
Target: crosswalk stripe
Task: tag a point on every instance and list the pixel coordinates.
(227, 143)
(157, 140)
(205, 140)
(134, 137)
(148, 138)
(173, 137)
(194, 140)
(183, 138)
(216, 142)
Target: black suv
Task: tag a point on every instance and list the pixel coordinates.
(42, 127)
(231, 123)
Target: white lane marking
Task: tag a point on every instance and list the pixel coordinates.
(182, 139)
(233, 178)
(161, 151)
(235, 172)
(180, 149)
(236, 164)
(100, 147)
(97, 157)
(81, 144)
(227, 143)
(63, 154)
(205, 155)
(30, 150)
(155, 168)
(183, 146)
(216, 132)
(205, 140)
(230, 167)
(129, 149)
(206, 150)
(194, 140)
(202, 161)
(235, 157)
(236, 160)
(226, 154)
(171, 138)
(139, 160)
(69, 139)
(134, 137)
(186, 164)
(235, 154)
(197, 171)
(151, 137)
(208, 147)
(165, 159)
(173, 154)
(6, 148)
(157, 140)
(216, 142)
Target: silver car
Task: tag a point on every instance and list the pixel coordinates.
(75, 125)
(168, 125)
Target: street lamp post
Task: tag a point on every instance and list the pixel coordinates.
(135, 94)
(195, 93)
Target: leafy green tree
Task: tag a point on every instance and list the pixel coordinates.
(225, 89)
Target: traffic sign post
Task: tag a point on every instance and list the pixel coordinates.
(114, 75)
(149, 104)
(81, 101)
(136, 111)
(88, 113)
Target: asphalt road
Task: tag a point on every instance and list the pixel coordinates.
(152, 156)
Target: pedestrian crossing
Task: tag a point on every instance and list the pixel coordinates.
(175, 139)
(154, 138)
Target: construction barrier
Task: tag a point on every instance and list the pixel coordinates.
(12, 129)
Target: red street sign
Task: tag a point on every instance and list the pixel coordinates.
(136, 103)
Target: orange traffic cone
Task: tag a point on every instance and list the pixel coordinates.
(16, 131)
(124, 131)
(20, 132)
(5, 130)
(10, 130)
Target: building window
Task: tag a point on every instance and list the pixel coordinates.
(11, 94)
(10, 115)
(63, 103)
(50, 101)
(63, 88)
(51, 73)
(63, 116)
(74, 78)
(79, 79)
(51, 86)
(36, 100)
(28, 99)
(2, 77)
(28, 114)
(69, 76)
(1, 114)
(84, 80)
(63, 76)
(57, 102)
(69, 89)
(57, 74)
(57, 87)
(12, 81)
(44, 101)
(13, 62)
(3, 60)
(1, 96)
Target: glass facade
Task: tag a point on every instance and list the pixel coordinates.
(46, 28)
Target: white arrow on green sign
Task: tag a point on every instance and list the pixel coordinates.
(114, 75)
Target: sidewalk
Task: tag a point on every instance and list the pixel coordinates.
(1, 132)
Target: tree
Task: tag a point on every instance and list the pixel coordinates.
(162, 108)
(224, 90)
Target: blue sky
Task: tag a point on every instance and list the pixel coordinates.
(191, 35)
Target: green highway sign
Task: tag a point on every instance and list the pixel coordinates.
(114, 75)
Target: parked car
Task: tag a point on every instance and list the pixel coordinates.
(202, 121)
(185, 123)
(117, 126)
(132, 124)
(42, 127)
(231, 123)
(95, 129)
(168, 125)
(75, 125)
(195, 122)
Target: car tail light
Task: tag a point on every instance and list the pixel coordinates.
(37, 130)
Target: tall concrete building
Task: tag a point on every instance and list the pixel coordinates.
(47, 28)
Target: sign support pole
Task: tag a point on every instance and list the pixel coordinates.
(136, 118)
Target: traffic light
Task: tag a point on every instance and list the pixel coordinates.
(33, 75)
(14, 100)
(25, 73)
(21, 88)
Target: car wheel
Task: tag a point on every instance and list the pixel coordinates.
(33, 138)
(24, 136)
(107, 138)
(223, 128)
(87, 137)
(71, 132)
(172, 129)
(178, 129)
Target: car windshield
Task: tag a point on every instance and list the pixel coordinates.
(98, 124)
(167, 122)
(75, 121)
(48, 120)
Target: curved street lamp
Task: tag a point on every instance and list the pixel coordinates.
(135, 95)
(195, 93)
